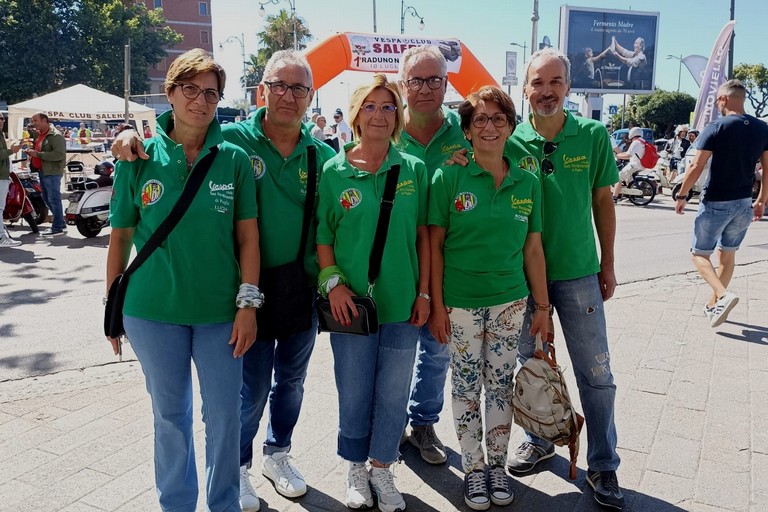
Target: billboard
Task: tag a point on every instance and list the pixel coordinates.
(611, 51)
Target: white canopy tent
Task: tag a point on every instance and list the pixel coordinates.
(80, 103)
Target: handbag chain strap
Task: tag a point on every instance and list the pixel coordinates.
(385, 212)
(179, 209)
(309, 201)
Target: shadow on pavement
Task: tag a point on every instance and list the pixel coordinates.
(39, 363)
(753, 334)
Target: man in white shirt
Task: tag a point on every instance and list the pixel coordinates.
(634, 153)
(343, 131)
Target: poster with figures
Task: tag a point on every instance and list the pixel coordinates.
(381, 53)
(611, 51)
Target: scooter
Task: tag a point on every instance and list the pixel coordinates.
(17, 204)
(88, 207)
(640, 190)
(31, 184)
(697, 187)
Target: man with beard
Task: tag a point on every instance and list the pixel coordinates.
(734, 142)
(576, 170)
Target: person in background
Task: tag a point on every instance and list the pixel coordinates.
(634, 154)
(83, 135)
(194, 299)
(5, 182)
(49, 158)
(319, 131)
(485, 237)
(147, 131)
(692, 135)
(373, 373)
(343, 131)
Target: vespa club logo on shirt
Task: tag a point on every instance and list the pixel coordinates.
(151, 192)
(576, 163)
(465, 201)
(350, 198)
(259, 167)
(528, 163)
(224, 194)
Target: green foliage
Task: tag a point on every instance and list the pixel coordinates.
(58, 43)
(755, 79)
(660, 111)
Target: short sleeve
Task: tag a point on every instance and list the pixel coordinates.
(245, 188)
(123, 212)
(606, 172)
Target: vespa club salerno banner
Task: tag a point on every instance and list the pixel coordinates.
(611, 51)
(381, 53)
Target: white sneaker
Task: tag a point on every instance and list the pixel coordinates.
(287, 479)
(358, 489)
(249, 501)
(383, 484)
(723, 306)
(7, 241)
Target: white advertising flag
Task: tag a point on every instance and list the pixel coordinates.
(714, 77)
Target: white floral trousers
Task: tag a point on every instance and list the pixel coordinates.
(483, 355)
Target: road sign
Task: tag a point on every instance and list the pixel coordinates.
(613, 109)
(509, 80)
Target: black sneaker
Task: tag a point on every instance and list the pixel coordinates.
(499, 488)
(527, 456)
(476, 491)
(606, 487)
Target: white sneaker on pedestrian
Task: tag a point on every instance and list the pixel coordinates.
(51, 232)
(287, 479)
(723, 306)
(7, 241)
(249, 501)
(358, 488)
(383, 484)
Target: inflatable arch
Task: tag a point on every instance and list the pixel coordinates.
(381, 53)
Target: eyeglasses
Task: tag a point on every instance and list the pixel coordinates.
(547, 167)
(481, 120)
(433, 82)
(280, 88)
(191, 91)
(386, 108)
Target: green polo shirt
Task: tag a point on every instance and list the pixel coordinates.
(583, 162)
(486, 228)
(193, 277)
(448, 139)
(347, 216)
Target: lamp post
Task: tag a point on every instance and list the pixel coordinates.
(524, 46)
(406, 9)
(679, 67)
(241, 40)
(292, 3)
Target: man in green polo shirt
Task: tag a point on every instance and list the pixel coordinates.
(576, 171)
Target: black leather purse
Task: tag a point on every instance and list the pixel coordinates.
(113, 311)
(367, 321)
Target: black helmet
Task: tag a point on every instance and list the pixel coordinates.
(104, 169)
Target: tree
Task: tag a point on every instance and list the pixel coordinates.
(661, 111)
(57, 43)
(755, 79)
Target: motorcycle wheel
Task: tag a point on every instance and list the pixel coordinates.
(30, 218)
(676, 189)
(89, 228)
(646, 187)
(41, 211)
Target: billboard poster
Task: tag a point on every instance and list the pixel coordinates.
(381, 54)
(611, 51)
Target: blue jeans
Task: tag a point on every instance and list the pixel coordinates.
(432, 361)
(579, 307)
(51, 186)
(373, 379)
(721, 223)
(288, 358)
(164, 351)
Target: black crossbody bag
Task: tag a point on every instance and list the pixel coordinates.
(288, 298)
(113, 311)
(367, 321)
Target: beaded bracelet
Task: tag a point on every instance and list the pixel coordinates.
(543, 307)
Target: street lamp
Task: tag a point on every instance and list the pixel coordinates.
(292, 3)
(241, 40)
(406, 9)
(524, 46)
(679, 67)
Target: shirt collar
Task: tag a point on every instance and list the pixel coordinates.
(347, 170)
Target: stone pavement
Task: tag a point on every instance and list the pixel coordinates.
(691, 411)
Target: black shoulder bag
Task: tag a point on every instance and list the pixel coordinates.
(113, 312)
(288, 298)
(367, 321)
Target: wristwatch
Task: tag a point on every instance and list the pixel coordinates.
(103, 301)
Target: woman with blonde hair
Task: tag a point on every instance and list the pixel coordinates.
(373, 373)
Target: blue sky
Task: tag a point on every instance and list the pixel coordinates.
(487, 27)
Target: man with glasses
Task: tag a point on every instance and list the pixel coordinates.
(276, 141)
(734, 142)
(577, 171)
(5, 182)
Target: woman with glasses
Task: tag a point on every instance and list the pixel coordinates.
(373, 373)
(485, 236)
(190, 301)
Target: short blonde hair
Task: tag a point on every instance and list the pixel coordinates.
(190, 64)
(379, 81)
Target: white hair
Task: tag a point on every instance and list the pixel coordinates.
(288, 58)
(412, 53)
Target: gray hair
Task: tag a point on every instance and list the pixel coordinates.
(412, 53)
(733, 89)
(287, 58)
(552, 53)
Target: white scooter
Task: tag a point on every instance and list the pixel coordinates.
(698, 187)
(88, 207)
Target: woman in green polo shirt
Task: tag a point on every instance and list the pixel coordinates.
(373, 373)
(485, 236)
(190, 301)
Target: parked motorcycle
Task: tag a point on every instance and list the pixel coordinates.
(31, 183)
(17, 204)
(641, 189)
(88, 207)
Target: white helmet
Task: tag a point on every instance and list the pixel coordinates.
(635, 132)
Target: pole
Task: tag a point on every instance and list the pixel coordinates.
(623, 110)
(402, 17)
(127, 75)
(522, 88)
(679, 69)
(534, 25)
(374, 16)
(293, 13)
(733, 36)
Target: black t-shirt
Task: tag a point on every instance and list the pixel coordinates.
(736, 143)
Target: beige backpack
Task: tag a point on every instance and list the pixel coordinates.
(541, 402)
